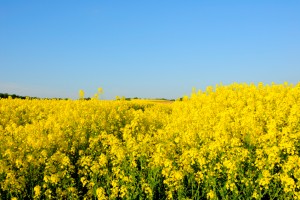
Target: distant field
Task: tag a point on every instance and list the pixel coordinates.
(229, 142)
(153, 101)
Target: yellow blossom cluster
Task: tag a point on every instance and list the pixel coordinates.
(239, 141)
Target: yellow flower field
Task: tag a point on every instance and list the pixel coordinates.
(238, 141)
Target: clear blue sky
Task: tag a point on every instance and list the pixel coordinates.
(145, 48)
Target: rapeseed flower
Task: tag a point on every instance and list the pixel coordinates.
(227, 142)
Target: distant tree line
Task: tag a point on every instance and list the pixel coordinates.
(14, 96)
